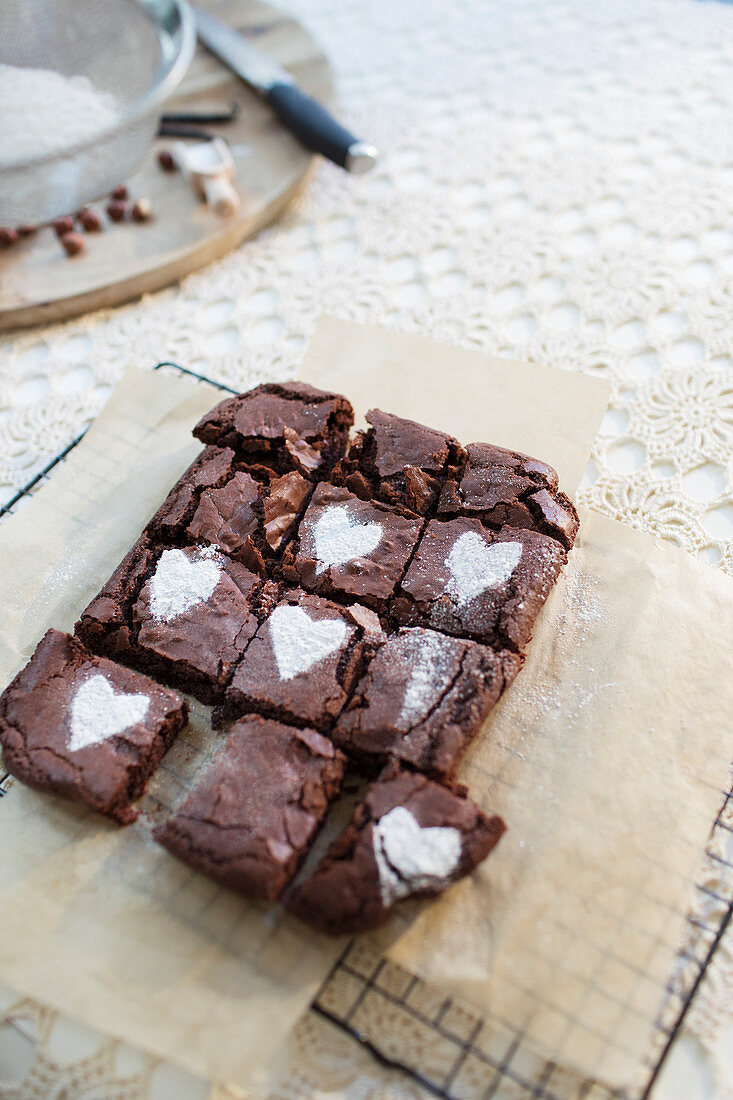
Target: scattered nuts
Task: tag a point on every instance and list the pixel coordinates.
(119, 192)
(166, 161)
(89, 220)
(73, 243)
(116, 209)
(141, 210)
(8, 237)
(63, 225)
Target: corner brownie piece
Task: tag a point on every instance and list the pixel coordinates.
(423, 699)
(399, 461)
(346, 546)
(506, 487)
(86, 728)
(285, 426)
(249, 821)
(410, 837)
(487, 585)
(184, 614)
(303, 662)
(247, 511)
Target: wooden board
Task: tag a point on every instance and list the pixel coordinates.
(39, 283)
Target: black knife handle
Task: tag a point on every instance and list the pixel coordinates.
(318, 130)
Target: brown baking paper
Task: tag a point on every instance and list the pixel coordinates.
(607, 757)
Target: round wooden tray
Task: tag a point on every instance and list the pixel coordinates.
(39, 283)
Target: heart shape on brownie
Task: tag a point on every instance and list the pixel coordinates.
(475, 566)
(99, 712)
(338, 538)
(410, 857)
(180, 582)
(300, 642)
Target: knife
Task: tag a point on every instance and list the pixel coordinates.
(300, 113)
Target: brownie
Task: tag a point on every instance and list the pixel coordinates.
(348, 547)
(86, 728)
(303, 662)
(249, 821)
(184, 614)
(410, 837)
(470, 581)
(400, 462)
(505, 487)
(423, 699)
(248, 511)
(285, 426)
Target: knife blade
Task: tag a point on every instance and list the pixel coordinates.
(304, 116)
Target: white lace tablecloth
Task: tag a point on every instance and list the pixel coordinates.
(556, 185)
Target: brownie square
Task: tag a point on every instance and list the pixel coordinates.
(348, 547)
(86, 728)
(249, 821)
(303, 662)
(400, 461)
(184, 614)
(410, 837)
(248, 511)
(487, 585)
(423, 699)
(506, 487)
(285, 426)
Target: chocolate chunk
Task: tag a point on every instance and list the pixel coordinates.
(86, 728)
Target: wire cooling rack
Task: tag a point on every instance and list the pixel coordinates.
(442, 1043)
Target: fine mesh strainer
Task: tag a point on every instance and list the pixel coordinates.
(134, 50)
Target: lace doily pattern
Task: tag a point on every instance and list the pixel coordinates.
(556, 185)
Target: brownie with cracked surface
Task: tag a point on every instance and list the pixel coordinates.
(246, 510)
(282, 425)
(251, 818)
(400, 461)
(409, 838)
(506, 487)
(85, 728)
(473, 582)
(304, 660)
(423, 699)
(349, 547)
(183, 614)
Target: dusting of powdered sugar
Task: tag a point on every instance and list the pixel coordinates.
(44, 112)
(300, 642)
(427, 654)
(180, 582)
(338, 537)
(411, 858)
(475, 565)
(99, 712)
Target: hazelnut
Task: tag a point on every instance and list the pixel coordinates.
(89, 220)
(73, 243)
(141, 210)
(119, 193)
(166, 161)
(116, 209)
(63, 225)
(8, 237)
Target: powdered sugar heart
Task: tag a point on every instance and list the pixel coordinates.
(99, 712)
(425, 654)
(180, 582)
(411, 858)
(475, 565)
(300, 642)
(338, 537)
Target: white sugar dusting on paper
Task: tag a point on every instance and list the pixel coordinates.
(425, 651)
(475, 565)
(338, 538)
(99, 712)
(300, 642)
(411, 858)
(180, 582)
